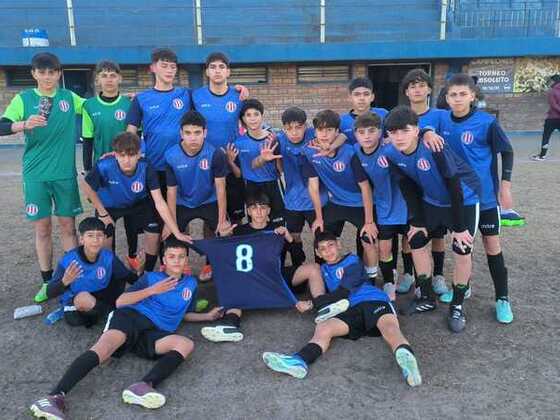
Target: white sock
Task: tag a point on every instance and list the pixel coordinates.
(371, 271)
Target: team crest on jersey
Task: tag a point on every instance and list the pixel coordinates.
(339, 166)
(100, 272)
(186, 293)
(178, 104)
(423, 165)
(137, 186)
(382, 161)
(339, 273)
(203, 164)
(120, 115)
(231, 106)
(64, 105)
(32, 209)
(467, 137)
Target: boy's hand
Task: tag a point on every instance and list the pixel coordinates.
(108, 154)
(72, 272)
(318, 224)
(304, 305)
(215, 313)
(107, 220)
(281, 230)
(243, 92)
(267, 150)
(231, 152)
(433, 142)
(323, 150)
(34, 121)
(463, 240)
(226, 229)
(184, 237)
(370, 230)
(164, 285)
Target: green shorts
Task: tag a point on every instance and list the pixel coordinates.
(40, 196)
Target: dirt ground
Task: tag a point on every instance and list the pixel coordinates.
(489, 371)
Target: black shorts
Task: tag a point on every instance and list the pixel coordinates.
(335, 215)
(489, 222)
(439, 220)
(140, 217)
(362, 318)
(295, 220)
(235, 192)
(387, 232)
(141, 333)
(207, 212)
(275, 193)
(76, 318)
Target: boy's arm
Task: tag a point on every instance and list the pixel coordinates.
(12, 121)
(500, 143)
(455, 189)
(167, 217)
(211, 315)
(369, 227)
(87, 137)
(171, 191)
(78, 103)
(313, 186)
(56, 287)
(219, 170)
(412, 195)
(90, 184)
(134, 116)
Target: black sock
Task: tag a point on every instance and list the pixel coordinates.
(438, 257)
(407, 263)
(164, 367)
(231, 319)
(499, 274)
(404, 346)
(150, 263)
(425, 284)
(395, 251)
(387, 271)
(297, 254)
(459, 291)
(46, 275)
(310, 352)
(76, 372)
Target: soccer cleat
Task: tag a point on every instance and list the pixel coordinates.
(420, 305)
(407, 280)
(511, 218)
(504, 315)
(409, 366)
(41, 295)
(292, 365)
(134, 263)
(538, 158)
(50, 408)
(456, 320)
(143, 394)
(332, 310)
(222, 334)
(390, 289)
(438, 285)
(206, 273)
(448, 297)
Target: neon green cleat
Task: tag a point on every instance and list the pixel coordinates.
(511, 218)
(41, 295)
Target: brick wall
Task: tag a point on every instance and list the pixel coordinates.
(520, 112)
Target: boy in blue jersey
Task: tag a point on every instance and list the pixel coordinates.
(390, 207)
(350, 196)
(370, 314)
(361, 98)
(89, 278)
(196, 177)
(244, 158)
(442, 193)
(145, 323)
(478, 138)
(125, 185)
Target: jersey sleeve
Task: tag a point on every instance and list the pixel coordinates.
(170, 176)
(219, 165)
(353, 276)
(134, 115)
(94, 178)
(307, 170)
(499, 142)
(445, 163)
(152, 179)
(15, 111)
(87, 124)
(78, 103)
(139, 284)
(358, 170)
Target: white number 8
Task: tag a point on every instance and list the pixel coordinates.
(244, 261)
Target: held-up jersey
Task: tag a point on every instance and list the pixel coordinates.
(296, 197)
(247, 272)
(221, 113)
(350, 273)
(347, 123)
(168, 309)
(340, 174)
(250, 148)
(117, 190)
(390, 206)
(478, 138)
(194, 175)
(159, 114)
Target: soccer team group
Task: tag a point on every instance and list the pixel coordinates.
(169, 155)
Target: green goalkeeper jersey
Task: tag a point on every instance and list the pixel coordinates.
(50, 151)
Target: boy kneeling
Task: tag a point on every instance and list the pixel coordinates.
(370, 314)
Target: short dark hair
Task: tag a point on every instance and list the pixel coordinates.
(369, 119)
(128, 143)
(45, 61)
(326, 119)
(323, 237)
(250, 104)
(91, 224)
(358, 82)
(164, 54)
(107, 65)
(399, 118)
(173, 242)
(257, 197)
(193, 117)
(217, 56)
(415, 76)
(462, 79)
(294, 114)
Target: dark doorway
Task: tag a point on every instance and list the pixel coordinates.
(78, 81)
(386, 79)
